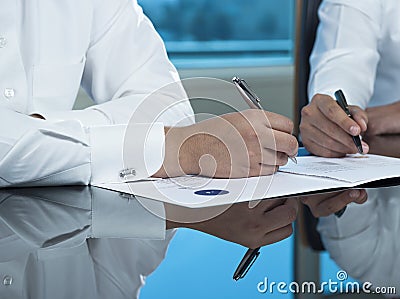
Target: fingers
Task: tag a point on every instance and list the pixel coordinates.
(280, 217)
(262, 170)
(329, 147)
(339, 142)
(268, 157)
(268, 146)
(365, 147)
(320, 150)
(279, 122)
(293, 202)
(325, 206)
(332, 111)
(277, 235)
(360, 117)
(285, 143)
(275, 224)
(288, 211)
(269, 163)
(264, 206)
(242, 144)
(273, 131)
(327, 130)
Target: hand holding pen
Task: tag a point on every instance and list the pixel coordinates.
(240, 144)
(331, 128)
(342, 102)
(252, 100)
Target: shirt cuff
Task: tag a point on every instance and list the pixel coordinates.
(350, 98)
(87, 117)
(124, 216)
(121, 153)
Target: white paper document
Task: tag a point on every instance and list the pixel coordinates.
(310, 174)
(352, 169)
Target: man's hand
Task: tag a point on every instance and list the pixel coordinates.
(268, 222)
(384, 119)
(323, 205)
(326, 130)
(241, 144)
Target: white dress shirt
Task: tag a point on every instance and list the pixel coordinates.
(357, 50)
(76, 243)
(47, 50)
(365, 240)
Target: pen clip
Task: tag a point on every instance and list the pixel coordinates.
(249, 266)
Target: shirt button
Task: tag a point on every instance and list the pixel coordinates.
(7, 280)
(9, 93)
(3, 42)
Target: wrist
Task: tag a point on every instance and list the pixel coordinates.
(189, 150)
(181, 152)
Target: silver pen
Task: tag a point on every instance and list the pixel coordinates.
(251, 99)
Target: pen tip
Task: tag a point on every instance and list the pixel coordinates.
(294, 160)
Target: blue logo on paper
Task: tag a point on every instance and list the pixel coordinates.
(211, 192)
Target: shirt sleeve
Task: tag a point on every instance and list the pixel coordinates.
(34, 152)
(127, 68)
(345, 54)
(137, 92)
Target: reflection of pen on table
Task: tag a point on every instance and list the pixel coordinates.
(247, 261)
(341, 100)
(254, 102)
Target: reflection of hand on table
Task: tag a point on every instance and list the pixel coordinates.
(322, 205)
(268, 222)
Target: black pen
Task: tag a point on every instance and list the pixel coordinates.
(247, 261)
(341, 100)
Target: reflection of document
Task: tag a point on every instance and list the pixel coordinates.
(310, 174)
